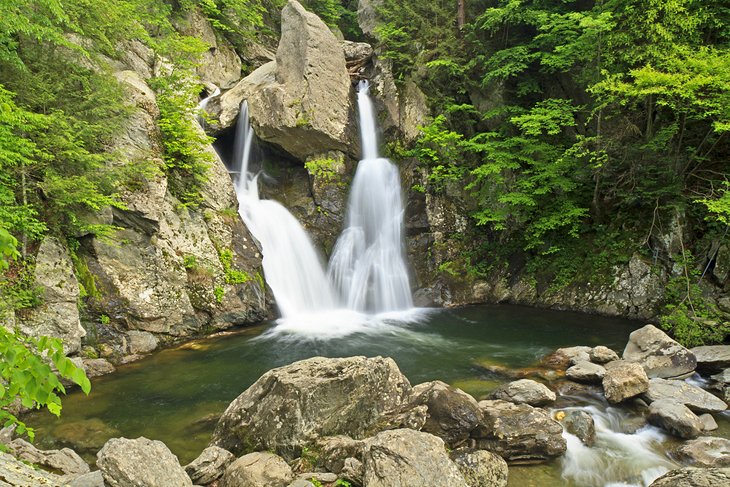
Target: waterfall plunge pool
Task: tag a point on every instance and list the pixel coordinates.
(176, 395)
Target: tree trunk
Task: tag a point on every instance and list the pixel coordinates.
(461, 14)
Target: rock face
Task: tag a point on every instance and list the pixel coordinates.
(452, 414)
(258, 470)
(675, 417)
(658, 354)
(712, 357)
(524, 391)
(289, 407)
(302, 102)
(408, 458)
(209, 466)
(624, 380)
(694, 477)
(481, 468)
(518, 433)
(698, 400)
(58, 315)
(706, 451)
(140, 463)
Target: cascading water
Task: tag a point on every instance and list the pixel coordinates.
(368, 267)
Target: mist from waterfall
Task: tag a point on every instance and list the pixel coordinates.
(367, 278)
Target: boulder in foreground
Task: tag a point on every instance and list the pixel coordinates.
(140, 463)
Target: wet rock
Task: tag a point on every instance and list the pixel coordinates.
(141, 342)
(584, 371)
(140, 462)
(524, 391)
(408, 458)
(694, 477)
(624, 380)
(58, 315)
(712, 357)
(452, 413)
(481, 468)
(565, 357)
(65, 461)
(706, 451)
(658, 353)
(14, 473)
(290, 407)
(581, 424)
(258, 469)
(602, 355)
(209, 466)
(708, 422)
(675, 417)
(518, 433)
(95, 367)
(92, 479)
(698, 400)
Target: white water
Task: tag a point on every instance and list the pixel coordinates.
(618, 458)
(367, 282)
(204, 104)
(367, 266)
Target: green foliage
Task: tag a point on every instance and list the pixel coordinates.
(324, 169)
(233, 275)
(219, 293)
(28, 378)
(719, 208)
(190, 262)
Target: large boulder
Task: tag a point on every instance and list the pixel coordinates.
(260, 469)
(65, 460)
(58, 315)
(524, 391)
(140, 463)
(706, 451)
(675, 417)
(290, 407)
(518, 433)
(452, 413)
(14, 473)
(408, 458)
(209, 466)
(624, 380)
(658, 354)
(481, 468)
(698, 400)
(712, 357)
(694, 477)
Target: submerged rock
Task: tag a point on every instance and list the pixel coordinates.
(140, 462)
(675, 417)
(524, 391)
(258, 469)
(698, 400)
(209, 466)
(290, 407)
(481, 468)
(451, 413)
(658, 353)
(408, 458)
(624, 380)
(694, 477)
(518, 433)
(706, 451)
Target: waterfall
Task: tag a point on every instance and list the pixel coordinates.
(367, 274)
(204, 104)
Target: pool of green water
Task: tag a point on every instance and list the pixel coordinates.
(176, 395)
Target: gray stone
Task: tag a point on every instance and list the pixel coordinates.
(92, 479)
(562, 358)
(481, 468)
(335, 450)
(694, 477)
(712, 357)
(322, 477)
(367, 15)
(451, 415)
(721, 378)
(141, 342)
(706, 451)
(301, 483)
(14, 473)
(602, 355)
(95, 367)
(290, 407)
(140, 463)
(624, 380)
(580, 423)
(355, 51)
(675, 417)
(65, 461)
(708, 422)
(658, 353)
(524, 391)
(352, 471)
(584, 371)
(58, 315)
(518, 433)
(408, 458)
(209, 466)
(260, 469)
(698, 400)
